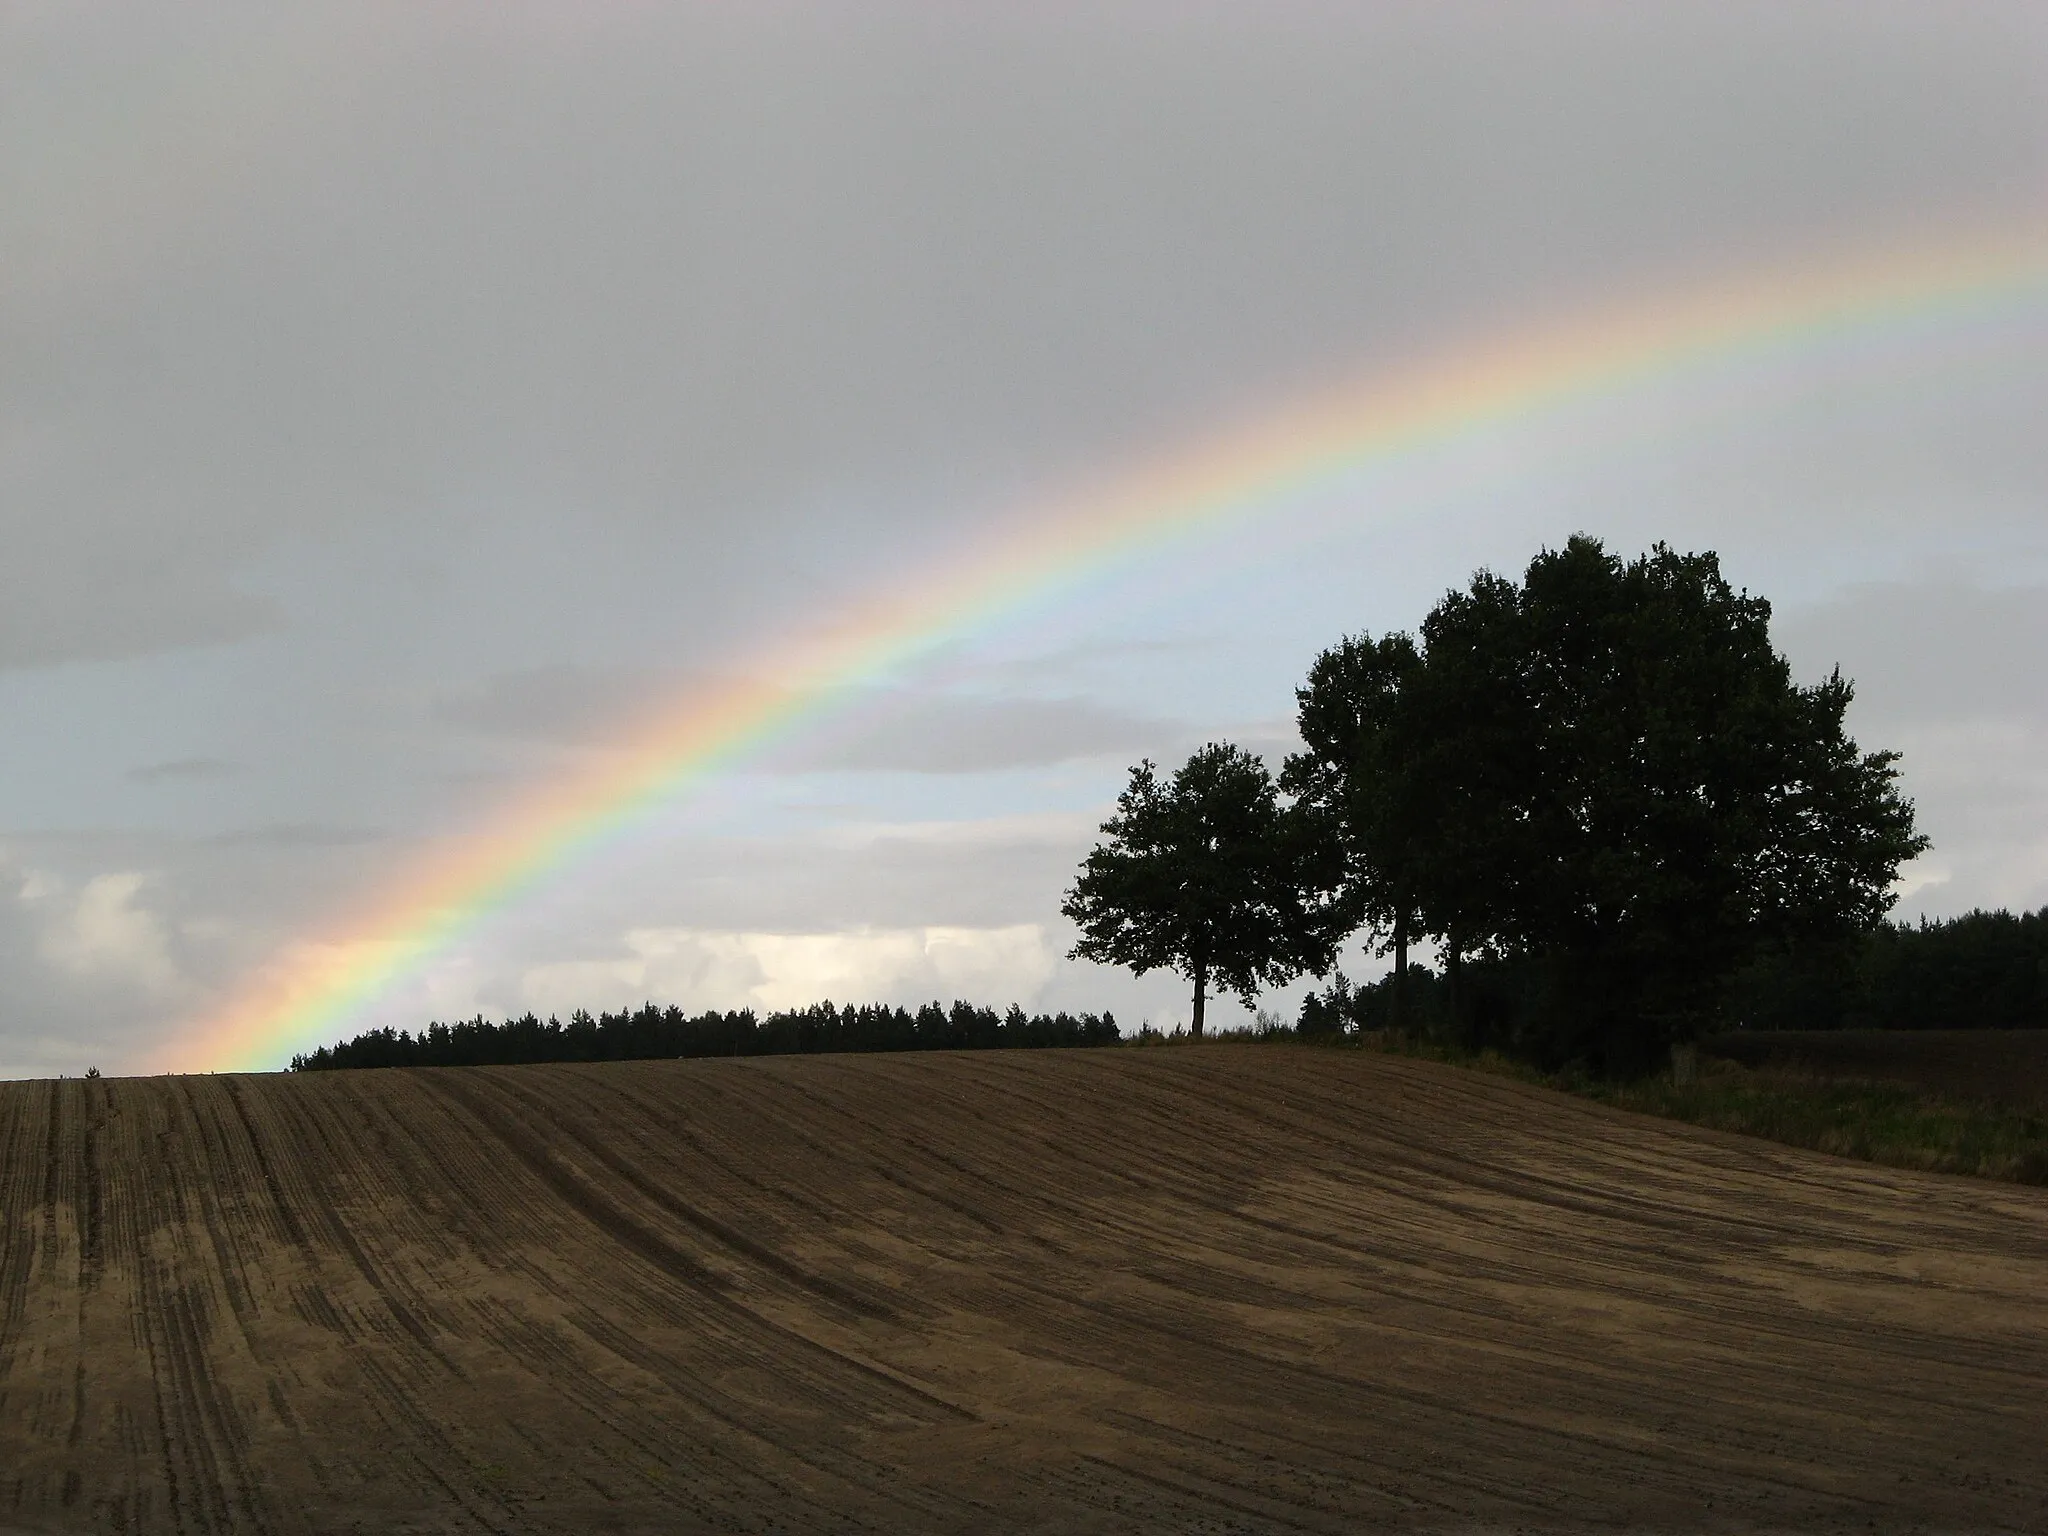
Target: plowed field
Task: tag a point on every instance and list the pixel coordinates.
(1202, 1289)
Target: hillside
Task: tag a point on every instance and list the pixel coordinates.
(1221, 1288)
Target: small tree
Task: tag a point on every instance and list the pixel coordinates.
(1200, 876)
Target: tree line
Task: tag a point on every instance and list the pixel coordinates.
(1596, 793)
(1983, 970)
(648, 1033)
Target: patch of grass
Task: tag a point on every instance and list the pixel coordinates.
(1878, 1122)
(1887, 1123)
(1419, 1049)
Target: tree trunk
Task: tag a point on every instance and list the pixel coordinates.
(1454, 977)
(1399, 1011)
(1201, 996)
(1685, 1063)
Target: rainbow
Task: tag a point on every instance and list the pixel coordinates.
(308, 994)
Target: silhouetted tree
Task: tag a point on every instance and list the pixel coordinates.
(1203, 874)
(1603, 781)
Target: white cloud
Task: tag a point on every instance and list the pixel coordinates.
(699, 968)
(1980, 788)
(88, 962)
(100, 934)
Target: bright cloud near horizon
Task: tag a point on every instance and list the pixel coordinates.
(399, 405)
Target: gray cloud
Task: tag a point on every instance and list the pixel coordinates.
(953, 733)
(296, 834)
(1949, 673)
(980, 873)
(761, 291)
(902, 729)
(71, 604)
(183, 770)
(1937, 650)
(563, 704)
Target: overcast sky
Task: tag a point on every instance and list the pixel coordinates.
(397, 402)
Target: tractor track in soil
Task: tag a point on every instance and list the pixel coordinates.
(1227, 1288)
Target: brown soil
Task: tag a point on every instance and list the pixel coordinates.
(1998, 1066)
(1215, 1289)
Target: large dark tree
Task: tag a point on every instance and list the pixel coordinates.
(1609, 782)
(1201, 875)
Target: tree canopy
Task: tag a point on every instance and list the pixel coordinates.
(1605, 774)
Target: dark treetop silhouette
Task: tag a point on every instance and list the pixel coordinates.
(1605, 777)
